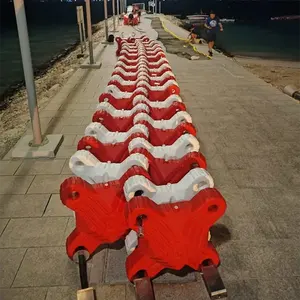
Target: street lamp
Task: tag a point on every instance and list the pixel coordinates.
(28, 71)
(28, 147)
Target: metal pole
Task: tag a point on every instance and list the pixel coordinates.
(118, 12)
(79, 27)
(105, 20)
(83, 26)
(155, 6)
(28, 71)
(114, 13)
(160, 7)
(89, 28)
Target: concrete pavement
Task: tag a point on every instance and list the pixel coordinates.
(249, 132)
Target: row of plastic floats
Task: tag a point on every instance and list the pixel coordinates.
(141, 177)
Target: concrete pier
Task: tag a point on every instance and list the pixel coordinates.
(249, 132)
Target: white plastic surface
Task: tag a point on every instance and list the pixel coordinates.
(178, 118)
(114, 90)
(107, 107)
(142, 73)
(185, 144)
(85, 165)
(157, 104)
(131, 242)
(105, 136)
(196, 180)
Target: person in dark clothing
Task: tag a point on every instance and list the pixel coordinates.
(212, 23)
(193, 35)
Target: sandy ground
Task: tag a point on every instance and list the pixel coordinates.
(14, 119)
(277, 73)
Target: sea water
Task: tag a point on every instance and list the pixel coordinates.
(269, 40)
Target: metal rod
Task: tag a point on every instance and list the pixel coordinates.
(118, 12)
(114, 14)
(83, 26)
(155, 6)
(159, 7)
(83, 272)
(89, 28)
(79, 27)
(28, 71)
(105, 20)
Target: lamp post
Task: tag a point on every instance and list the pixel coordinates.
(105, 20)
(118, 11)
(28, 71)
(114, 14)
(89, 27)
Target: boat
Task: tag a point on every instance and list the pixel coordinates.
(295, 17)
(227, 20)
(197, 18)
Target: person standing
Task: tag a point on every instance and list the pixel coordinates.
(212, 23)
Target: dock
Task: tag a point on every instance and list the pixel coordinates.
(249, 132)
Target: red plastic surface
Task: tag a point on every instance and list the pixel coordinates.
(99, 211)
(159, 137)
(163, 171)
(115, 153)
(175, 235)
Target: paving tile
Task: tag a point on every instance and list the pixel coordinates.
(47, 266)
(180, 291)
(242, 289)
(34, 232)
(9, 167)
(18, 206)
(258, 178)
(266, 259)
(66, 170)
(23, 293)
(262, 289)
(68, 139)
(55, 208)
(73, 129)
(223, 178)
(46, 184)
(98, 265)
(266, 162)
(78, 138)
(15, 184)
(116, 273)
(83, 113)
(295, 282)
(66, 151)
(242, 200)
(70, 226)
(61, 293)
(281, 200)
(3, 223)
(111, 292)
(215, 163)
(54, 113)
(251, 226)
(41, 166)
(10, 262)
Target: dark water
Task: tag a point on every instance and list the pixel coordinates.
(52, 29)
(271, 40)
